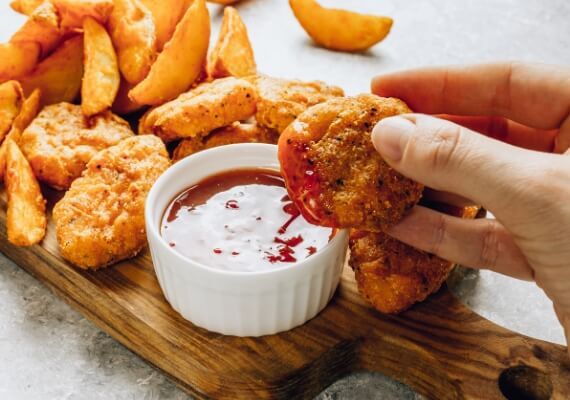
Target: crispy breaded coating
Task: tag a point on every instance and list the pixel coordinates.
(281, 100)
(235, 133)
(100, 220)
(199, 111)
(334, 174)
(61, 140)
(393, 276)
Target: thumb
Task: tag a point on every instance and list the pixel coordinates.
(448, 157)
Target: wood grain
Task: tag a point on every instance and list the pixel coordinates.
(440, 348)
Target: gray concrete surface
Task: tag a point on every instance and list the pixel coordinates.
(48, 351)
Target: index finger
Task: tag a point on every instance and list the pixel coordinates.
(536, 95)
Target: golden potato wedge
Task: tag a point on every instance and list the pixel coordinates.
(41, 27)
(101, 77)
(166, 15)
(181, 61)
(26, 216)
(340, 29)
(58, 76)
(123, 104)
(25, 7)
(134, 36)
(233, 55)
(11, 98)
(73, 12)
(28, 111)
(17, 59)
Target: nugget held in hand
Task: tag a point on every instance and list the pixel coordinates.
(393, 276)
(201, 110)
(100, 220)
(235, 133)
(334, 174)
(61, 140)
(282, 100)
(26, 216)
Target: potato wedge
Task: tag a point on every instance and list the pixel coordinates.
(134, 36)
(166, 15)
(25, 7)
(41, 27)
(11, 98)
(224, 2)
(233, 55)
(181, 61)
(101, 78)
(28, 111)
(58, 76)
(123, 104)
(26, 216)
(73, 12)
(17, 59)
(340, 29)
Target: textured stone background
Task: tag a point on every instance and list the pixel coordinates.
(48, 351)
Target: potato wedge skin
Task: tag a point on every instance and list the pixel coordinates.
(166, 15)
(101, 77)
(201, 110)
(358, 33)
(26, 216)
(73, 12)
(11, 99)
(42, 27)
(133, 33)
(28, 111)
(181, 61)
(233, 54)
(25, 7)
(123, 104)
(18, 59)
(58, 76)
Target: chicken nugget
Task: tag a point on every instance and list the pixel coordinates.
(199, 111)
(392, 275)
(61, 140)
(235, 133)
(334, 174)
(282, 100)
(100, 220)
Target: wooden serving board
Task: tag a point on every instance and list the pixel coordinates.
(440, 348)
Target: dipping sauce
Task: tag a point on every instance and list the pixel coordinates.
(241, 220)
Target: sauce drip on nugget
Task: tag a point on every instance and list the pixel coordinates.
(334, 174)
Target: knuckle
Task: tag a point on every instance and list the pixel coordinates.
(438, 235)
(444, 147)
(491, 245)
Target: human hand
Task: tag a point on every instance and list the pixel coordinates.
(527, 108)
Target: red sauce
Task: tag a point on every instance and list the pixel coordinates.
(241, 220)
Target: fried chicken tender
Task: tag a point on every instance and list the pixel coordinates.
(201, 110)
(334, 174)
(61, 140)
(393, 276)
(235, 133)
(100, 220)
(282, 100)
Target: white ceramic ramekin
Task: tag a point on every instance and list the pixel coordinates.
(229, 302)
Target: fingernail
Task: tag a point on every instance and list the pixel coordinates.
(391, 135)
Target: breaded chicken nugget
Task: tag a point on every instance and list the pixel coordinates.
(235, 133)
(334, 174)
(281, 100)
(201, 110)
(100, 220)
(61, 140)
(393, 276)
